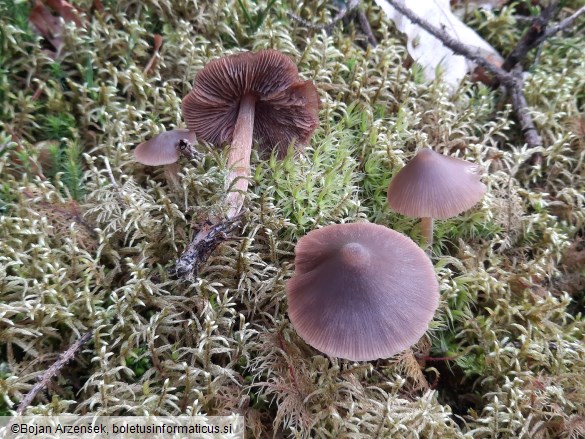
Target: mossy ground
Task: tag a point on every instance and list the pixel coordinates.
(79, 253)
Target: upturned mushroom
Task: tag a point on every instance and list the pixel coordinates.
(166, 147)
(361, 291)
(432, 186)
(245, 96)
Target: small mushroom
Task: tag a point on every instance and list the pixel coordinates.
(432, 186)
(165, 148)
(361, 291)
(250, 95)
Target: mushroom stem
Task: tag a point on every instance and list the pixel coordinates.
(426, 226)
(171, 172)
(239, 156)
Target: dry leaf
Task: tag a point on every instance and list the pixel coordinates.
(47, 25)
(430, 52)
(65, 10)
(50, 26)
(98, 6)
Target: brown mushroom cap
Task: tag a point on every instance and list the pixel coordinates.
(432, 185)
(162, 148)
(361, 291)
(286, 108)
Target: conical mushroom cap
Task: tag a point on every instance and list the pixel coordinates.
(162, 148)
(361, 291)
(286, 108)
(432, 185)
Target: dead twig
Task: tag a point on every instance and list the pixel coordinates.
(511, 81)
(110, 173)
(534, 37)
(366, 28)
(63, 359)
(527, 126)
(119, 194)
(456, 46)
(208, 237)
(531, 37)
(347, 9)
(343, 12)
(564, 24)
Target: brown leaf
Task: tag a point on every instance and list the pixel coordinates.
(47, 25)
(50, 26)
(574, 256)
(65, 10)
(61, 215)
(98, 6)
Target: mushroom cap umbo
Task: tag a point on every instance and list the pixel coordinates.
(286, 108)
(432, 185)
(162, 149)
(361, 291)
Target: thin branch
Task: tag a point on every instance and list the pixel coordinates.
(538, 33)
(531, 37)
(327, 26)
(205, 241)
(366, 28)
(63, 359)
(455, 45)
(535, 36)
(537, 56)
(347, 9)
(527, 126)
(511, 81)
(110, 173)
(563, 24)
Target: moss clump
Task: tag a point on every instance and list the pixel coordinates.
(82, 249)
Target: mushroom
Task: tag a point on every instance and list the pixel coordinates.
(250, 95)
(361, 291)
(432, 186)
(165, 148)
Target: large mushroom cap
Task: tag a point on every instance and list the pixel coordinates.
(286, 108)
(162, 148)
(432, 185)
(361, 291)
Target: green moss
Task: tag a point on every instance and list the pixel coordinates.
(16, 13)
(138, 362)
